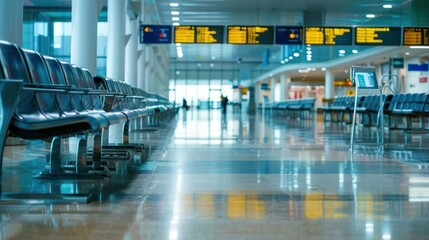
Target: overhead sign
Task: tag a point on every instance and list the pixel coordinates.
(289, 35)
(250, 35)
(198, 34)
(415, 36)
(380, 36)
(153, 34)
(328, 35)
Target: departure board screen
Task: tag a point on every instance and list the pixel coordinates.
(416, 36)
(381, 36)
(328, 35)
(250, 35)
(153, 34)
(289, 35)
(198, 34)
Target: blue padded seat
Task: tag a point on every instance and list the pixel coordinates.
(34, 118)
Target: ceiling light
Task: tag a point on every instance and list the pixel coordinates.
(370, 15)
(282, 62)
(290, 57)
(176, 24)
(175, 12)
(213, 57)
(387, 6)
(309, 52)
(296, 54)
(407, 53)
(174, 4)
(323, 69)
(175, 18)
(342, 51)
(419, 47)
(355, 51)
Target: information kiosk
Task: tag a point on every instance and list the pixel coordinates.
(365, 80)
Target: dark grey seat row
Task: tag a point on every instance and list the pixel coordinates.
(299, 108)
(399, 109)
(60, 100)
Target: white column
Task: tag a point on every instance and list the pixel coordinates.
(11, 20)
(116, 54)
(141, 63)
(284, 86)
(131, 51)
(257, 95)
(273, 89)
(84, 34)
(116, 39)
(329, 84)
(148, 68)
(141, 67)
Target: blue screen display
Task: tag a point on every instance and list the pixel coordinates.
(153, 34)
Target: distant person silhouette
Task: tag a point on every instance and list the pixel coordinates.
(224, 103)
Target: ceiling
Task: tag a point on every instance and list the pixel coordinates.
(264, 12)
(273, 12)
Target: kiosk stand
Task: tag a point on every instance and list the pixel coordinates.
(365, 80)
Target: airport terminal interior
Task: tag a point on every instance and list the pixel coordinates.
(214, 119)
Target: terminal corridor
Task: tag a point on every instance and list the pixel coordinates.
(210, 175)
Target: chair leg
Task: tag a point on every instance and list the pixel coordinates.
(55, 156)
(9, 96)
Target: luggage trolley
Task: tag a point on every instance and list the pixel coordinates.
(365, 80)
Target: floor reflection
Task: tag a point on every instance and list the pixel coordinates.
(233, 176)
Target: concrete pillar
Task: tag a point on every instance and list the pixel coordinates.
(141, 67)
(131, 52)
(84, 34)
(141, 63)
(257, 94)
(116, 54)
(329, 84)
(284, 86)
(116, 39)
(11, 20)
(148, 68)
(273, 89)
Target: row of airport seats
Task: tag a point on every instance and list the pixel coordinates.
(296, 108)
(52, 100)
(402, 111)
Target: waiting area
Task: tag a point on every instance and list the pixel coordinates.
(210, 175)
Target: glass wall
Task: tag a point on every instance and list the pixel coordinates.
(203, 83)
(49, 32)
(200, 93)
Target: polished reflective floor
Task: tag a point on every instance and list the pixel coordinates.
(235, 176)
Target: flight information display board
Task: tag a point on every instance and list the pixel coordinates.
(415, 36)
(153, 34)
(328, 35)
(198, 34)
(380, 36)
(250, 35)
(289, 35)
